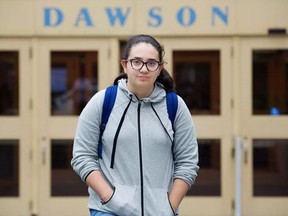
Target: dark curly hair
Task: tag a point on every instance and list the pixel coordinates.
(164, 78)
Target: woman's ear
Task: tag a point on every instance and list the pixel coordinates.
(124, 65)
(160, 69)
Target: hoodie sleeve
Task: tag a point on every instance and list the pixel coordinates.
(185, 145)
(85, 158)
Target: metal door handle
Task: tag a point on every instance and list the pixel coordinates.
(43, 150)
(245, 150)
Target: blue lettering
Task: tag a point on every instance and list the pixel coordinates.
(84, 16)
(117, 16)
(155, 16)
(186, 16)
(222, 15)
(55, 14)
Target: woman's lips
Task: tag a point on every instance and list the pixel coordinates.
(143, 78)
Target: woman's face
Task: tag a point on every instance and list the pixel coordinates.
(141, 81)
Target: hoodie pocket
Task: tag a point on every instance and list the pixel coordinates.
(158, 201)
(123, 202)
(170, 204)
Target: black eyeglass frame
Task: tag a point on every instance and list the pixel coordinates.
(144, 63)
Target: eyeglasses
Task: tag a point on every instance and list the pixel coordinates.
(138, 64)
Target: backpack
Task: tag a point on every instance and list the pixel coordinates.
(109, 100)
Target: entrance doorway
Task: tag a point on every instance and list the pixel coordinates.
(202, 71)
(15, 127)
(233, 88)
(263, 123)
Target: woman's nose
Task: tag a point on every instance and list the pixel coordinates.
(144, 69)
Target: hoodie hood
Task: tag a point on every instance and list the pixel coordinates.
(157, 95)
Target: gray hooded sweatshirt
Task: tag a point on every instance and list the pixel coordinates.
(141, 157)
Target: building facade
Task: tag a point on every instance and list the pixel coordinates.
(229, 60)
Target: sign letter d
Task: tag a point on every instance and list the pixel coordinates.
(52, 17)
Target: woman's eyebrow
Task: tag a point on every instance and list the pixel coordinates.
(149, 59)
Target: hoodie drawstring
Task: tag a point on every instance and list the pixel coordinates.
(162, 123)
(117, 134)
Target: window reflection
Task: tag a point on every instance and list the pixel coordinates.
(9, 83)
(270, 167)
(208, 182)
(9, 168)
(74, 79)
(64, 181)
(270, 82)
(197, 78)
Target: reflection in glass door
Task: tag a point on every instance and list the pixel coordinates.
(9, 83)
(197, 77)
(270, 167)
(201, 70)
(64, 182)
(72, 70)
(74, 78)
(264, 125)
(270, 81)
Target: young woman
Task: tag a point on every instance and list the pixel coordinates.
(154, 162)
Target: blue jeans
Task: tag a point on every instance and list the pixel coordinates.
(99, 213)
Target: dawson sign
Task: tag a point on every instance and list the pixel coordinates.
(155, 17)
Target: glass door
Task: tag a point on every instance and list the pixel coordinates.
(201, 69)
(69, 73)
(264, 125)
(15, 128)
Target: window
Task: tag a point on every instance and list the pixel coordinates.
(197, 78)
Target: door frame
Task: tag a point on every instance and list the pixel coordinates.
(271, 128)
(51, 127)
(20, 128)
(221, 205)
